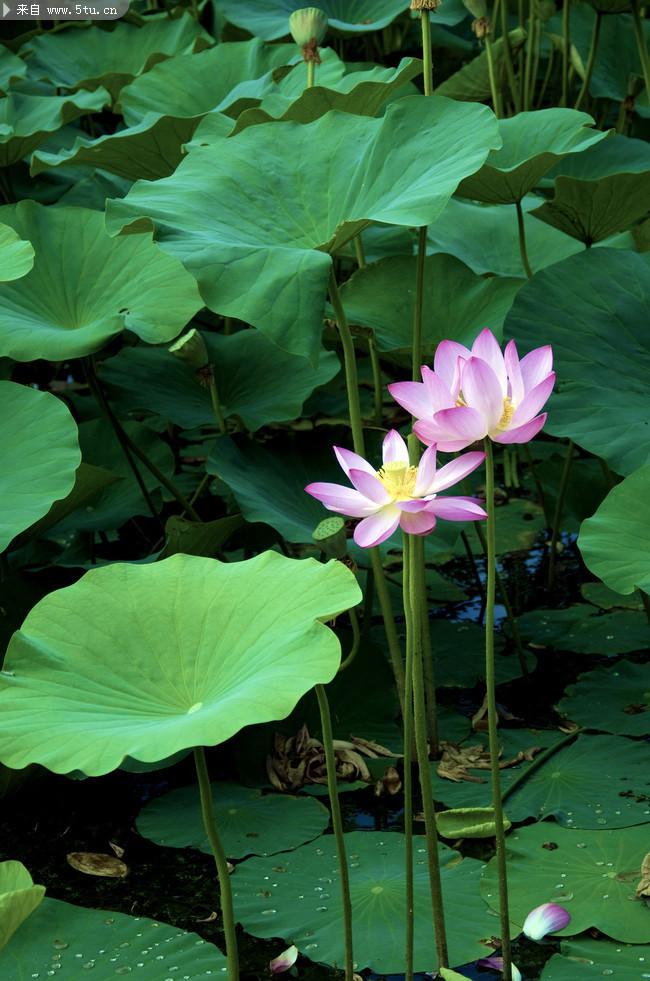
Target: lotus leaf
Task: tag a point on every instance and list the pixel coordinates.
(232, 232)
(468, 822)
(12, 68)
(16, 255)
(19, 897)
(471, 83)
(269, 19)
(607, 599)
(249, 823)
(40, 454)
(124, 282)
(613, 699)
(584, 630)
(106, 943)
(27, 120)
(593, 308)
(593, 874)
(586, 959)
(204, 647)
(615, 542)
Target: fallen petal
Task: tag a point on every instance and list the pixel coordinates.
(284, 961)
(547, 918)
(496, 963)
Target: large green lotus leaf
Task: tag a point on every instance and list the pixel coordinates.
(593, 874)
(27, 120)
(457, 303)
(600, 192)
(613, 699)
(123, 282)
(70, 942)
(249, 823)
(615, 542)
(146, 660)
(608, 599)
(199, 537)
(459, 655)
(582, 629)
(19, 897)
(471, 83)
(83, 57)
(486, 239)
(16, 255)
(586, 960)
(532, 143)
(269, 19)
(301, 902)
(256, 380)
(12, 68)
(594, 309)
(40, 454)
(232, 233)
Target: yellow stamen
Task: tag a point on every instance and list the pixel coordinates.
(399, 480)
(508, 413)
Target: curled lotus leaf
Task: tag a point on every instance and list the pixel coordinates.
(16, 255)
(19, 897)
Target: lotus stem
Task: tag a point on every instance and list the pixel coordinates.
(216, 404)
(591, 59)
(530, 41)
(541, 496)
(409, 738)
(493, 736)
(521, 228)
(358, 251)
(356, 640)
(547, 78)
(566, 51)
(337, 825)
(557, 516)
(507, 57)
(225, 892)
(494, 89)
(378, 401)
(311, 74)
(639, 34)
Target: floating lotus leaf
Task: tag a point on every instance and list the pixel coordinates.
(73, 942)
(121, 283)
(19, 897)
(300, 901)
(27, 120)
(179, 653)
(601, 191)
(233, 233)
(584, 630)
(256, 381)
(457, 303)
(593, 874)
(594, 309)
(468, 822)
(586, 960)
(40, 453)
(84, 57)
(249, 823)
(532, 143)
(607, 599)
(16, 255)
(471, 83)
(615, 542)
(614, 699)
(269, 19)
(449, 637)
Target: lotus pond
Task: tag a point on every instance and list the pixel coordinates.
(325, 492)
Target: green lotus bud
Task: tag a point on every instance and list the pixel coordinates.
(477, 8)
(482, 26)
(308, 26)
(330, 535)
(191, 348)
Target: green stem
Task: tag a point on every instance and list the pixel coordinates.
(521, 228)
(493, 737)
(591, 59)
(547, 78)
(216, 405)
(392, 639)
(358, 251)
(356, 640)
(311, 74)
(639, 34)
(507, 58)
(566, 51)
(209, 823)
(378, 400)
(337, 825)
(539, 760)
(530, 42)
(409, 737)
(557, 516)
(427, 71)
(416, 591)
(505, 599)
(416, 348)
(541, 496)
(496, 102)
(536, 57)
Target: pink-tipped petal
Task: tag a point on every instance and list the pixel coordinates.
(536, 366)
(457, 509)
(461, 424)
(438, 392)
(426, 472)
(457, 470)
(545, 919)
(284, 961)
(348, 460)
(517, 389)
(418, 523)
(535, 400)
(482, 391)
(412, 396)
(486, 347)
(343, 500)
(414, 506)
(446, 356)
(370, 486)
(394, 449)
(378, 527)
(522, 434)
(496, 963)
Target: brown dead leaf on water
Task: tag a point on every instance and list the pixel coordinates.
(643, 888)
(390, 783)
(94, 863)
(456, 761)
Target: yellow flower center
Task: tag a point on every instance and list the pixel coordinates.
(399, 480)
(508, 412)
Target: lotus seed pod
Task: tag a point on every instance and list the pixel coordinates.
(425, 4)
(308, 26)
(330, 535)
(191, 348)
(482, 26)
(477, 8)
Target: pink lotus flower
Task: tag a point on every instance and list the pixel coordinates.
(284, 961)
(398, 494)
(483, 392)
(547, 918)
(496, 963)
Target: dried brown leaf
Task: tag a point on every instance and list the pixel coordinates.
(93, 863)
